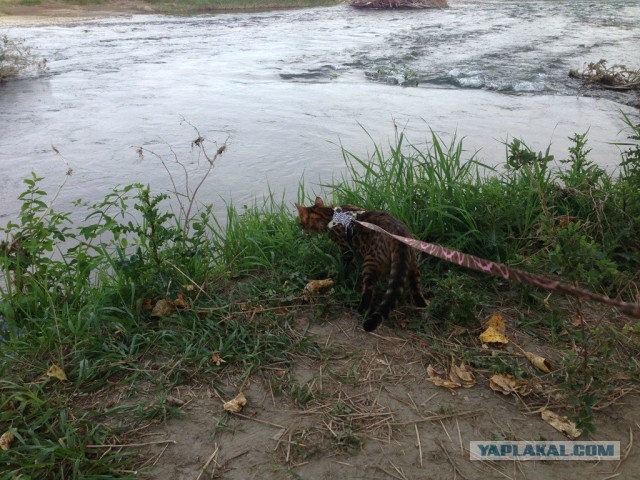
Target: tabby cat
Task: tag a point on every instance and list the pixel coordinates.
(382, 255)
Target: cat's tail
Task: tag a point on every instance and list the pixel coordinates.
(395, 287)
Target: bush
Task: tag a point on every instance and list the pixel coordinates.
(16, 59)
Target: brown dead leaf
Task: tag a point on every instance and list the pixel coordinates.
(6, 440)
(561, 423)
(147, 305)
(236, 405)
(314, 286)
(174, 401)
(217, 359)
(439, 380)
(539, 362)
(508, 384)
(461, 375)
(565, 220)
(181, 301)
(163, 308)
(57, 372)
(578, 320)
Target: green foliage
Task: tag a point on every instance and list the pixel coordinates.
(75, 298)
(567, 217)
(571, 217)
(397, 74)
(78, 296)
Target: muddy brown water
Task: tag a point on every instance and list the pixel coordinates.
(287, 88)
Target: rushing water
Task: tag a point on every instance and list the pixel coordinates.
(287, 87)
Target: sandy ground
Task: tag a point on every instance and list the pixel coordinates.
(360, 407)
(54, 12)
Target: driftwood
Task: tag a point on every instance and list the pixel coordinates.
(616, 77)
(386, 4)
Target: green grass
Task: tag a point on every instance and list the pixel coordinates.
(191, 6)
(213, 5)
(79, 297)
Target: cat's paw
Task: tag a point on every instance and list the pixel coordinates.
(420, 301)
(363, 306)
(372, 322)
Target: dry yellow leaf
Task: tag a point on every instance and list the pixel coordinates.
(561, 423)
(496, 322)
(508, 384)
(440, 381)
(217, 359)
(539, 362)
(314, 286)
(461, 375)
(6, 440)
(57, 372)
(235, 405)
(163, 308)
(493, 336)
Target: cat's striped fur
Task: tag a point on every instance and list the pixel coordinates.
(382, 257)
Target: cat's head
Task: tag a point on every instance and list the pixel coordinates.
(316, 217)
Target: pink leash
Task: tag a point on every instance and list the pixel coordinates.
(508, 273)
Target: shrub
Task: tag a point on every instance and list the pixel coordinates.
(17, 59)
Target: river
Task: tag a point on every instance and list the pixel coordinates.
(286, 88)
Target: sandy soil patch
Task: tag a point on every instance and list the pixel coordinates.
(361, 408)
(55, 13)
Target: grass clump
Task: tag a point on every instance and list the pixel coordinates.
(141, 299)
(567, 218)
(131, 304)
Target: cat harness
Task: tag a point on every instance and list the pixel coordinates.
(345, 219)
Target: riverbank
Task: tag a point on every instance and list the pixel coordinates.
(14, 12)
(122, 352)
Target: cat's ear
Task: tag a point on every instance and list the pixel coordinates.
(319, 202)
(302, 211)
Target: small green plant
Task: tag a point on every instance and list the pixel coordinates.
(401, 74)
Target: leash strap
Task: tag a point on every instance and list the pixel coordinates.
(500, 270)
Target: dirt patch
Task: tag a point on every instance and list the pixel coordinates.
(60, 12)
(359, 406)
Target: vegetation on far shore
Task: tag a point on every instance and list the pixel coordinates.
(141, 300)
(167, 6)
